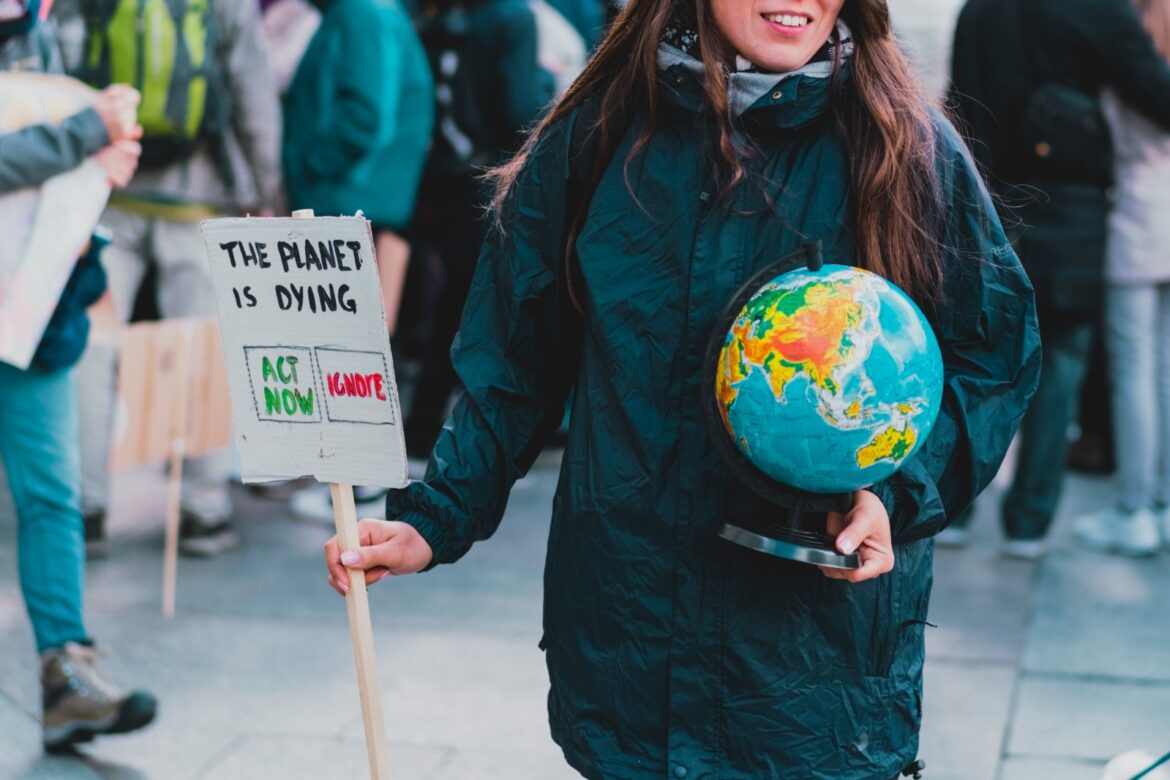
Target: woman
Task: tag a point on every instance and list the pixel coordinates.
(1137, 322)
(38, 418)
(730, 132)
(359, 113)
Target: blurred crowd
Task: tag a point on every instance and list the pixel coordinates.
(209, 108)
(222, 107)
(1067, 115)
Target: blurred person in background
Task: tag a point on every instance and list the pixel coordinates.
(489, 87)
(289, 25)
(1091, 451)
(1025, 80)
(38, 410)
(560, 48)
(211, 148)
(358, 120)
(586, 16)
(1137, 321)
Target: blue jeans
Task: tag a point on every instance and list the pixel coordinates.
(1137, 335)
(1030, 505)
(40, 451)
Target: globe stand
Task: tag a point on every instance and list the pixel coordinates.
(794, 543)
(797, 530)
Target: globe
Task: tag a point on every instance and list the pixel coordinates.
(829, 379)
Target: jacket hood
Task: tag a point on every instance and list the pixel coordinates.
(748, 87)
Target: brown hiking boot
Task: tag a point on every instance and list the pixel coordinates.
(81, 704)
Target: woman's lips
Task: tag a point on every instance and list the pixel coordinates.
(788, 25)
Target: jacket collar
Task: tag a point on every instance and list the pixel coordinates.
(780, 99)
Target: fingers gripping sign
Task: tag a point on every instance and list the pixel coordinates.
(865, 529)
(387, 547)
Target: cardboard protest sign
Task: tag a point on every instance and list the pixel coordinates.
(307, 350)
(312, 383)
(45, 228)
(154, 358)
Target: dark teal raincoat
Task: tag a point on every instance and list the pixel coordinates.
(671, 653)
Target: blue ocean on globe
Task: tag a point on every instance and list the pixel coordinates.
(829, 380)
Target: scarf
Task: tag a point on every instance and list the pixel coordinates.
(748, 83)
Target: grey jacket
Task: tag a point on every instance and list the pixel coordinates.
(39, 152)
(251, 143)
(1139, 230)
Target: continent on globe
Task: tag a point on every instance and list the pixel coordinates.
(891, 444)
(790, 331)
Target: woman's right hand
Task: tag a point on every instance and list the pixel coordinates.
(117, 105)
(387, 547)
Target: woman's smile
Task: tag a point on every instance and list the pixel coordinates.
(776, 38)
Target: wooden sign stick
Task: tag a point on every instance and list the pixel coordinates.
(361, 629)
(181, 355)
(362, 633)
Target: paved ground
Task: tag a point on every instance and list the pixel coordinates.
(1035, 672)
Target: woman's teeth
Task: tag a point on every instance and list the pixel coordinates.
(787, 20)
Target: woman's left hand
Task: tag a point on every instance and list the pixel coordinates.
(866, 530)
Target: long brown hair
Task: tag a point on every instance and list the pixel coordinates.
(881, 112)
(1156, 17)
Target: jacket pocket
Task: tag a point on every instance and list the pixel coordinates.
(858, 624)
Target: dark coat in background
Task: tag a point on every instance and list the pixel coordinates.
(1038, 86)
(359, 114)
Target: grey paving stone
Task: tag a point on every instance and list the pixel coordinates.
(266, 676)
(160, 752)
(485, 764)
(1089, 719)
(1050, 769)
(1101, 614)
(19, 735)
(966, 709)
(981, 600)
(19, 670)
(42, 767)
(465, 690)
(301, 758)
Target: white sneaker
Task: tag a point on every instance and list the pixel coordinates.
(1024, 549)
(953, 536)
(315, 502)
(1118, 531)
(1163, 515)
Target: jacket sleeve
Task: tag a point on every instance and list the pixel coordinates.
(367, 65)
(1132, 65)
(256, 115)
(517, 356)
(33, 154)
(989, 337)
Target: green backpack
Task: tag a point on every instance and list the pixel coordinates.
(164, 49)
